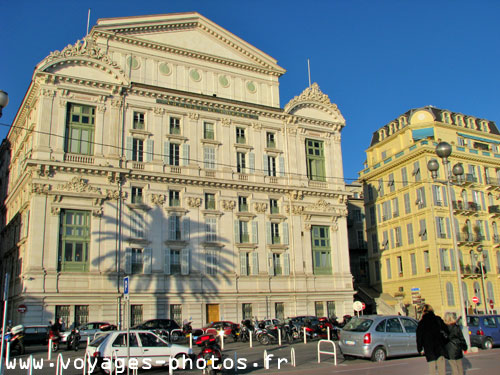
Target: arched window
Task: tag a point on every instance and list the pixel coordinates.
(449, 294)
(465, 293)
(477, 291)
(498, 261)
(490, 292)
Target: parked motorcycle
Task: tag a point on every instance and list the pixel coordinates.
(290, 332)
(268, 335)
(211, 353)
(73, 340)
(246, 329)
(15, 336)
(56, 339)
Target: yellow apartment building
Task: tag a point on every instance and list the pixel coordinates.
(410, 247)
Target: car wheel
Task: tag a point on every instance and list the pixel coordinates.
(180, 360)
(174, 336)
(379, 354)
(488, 344)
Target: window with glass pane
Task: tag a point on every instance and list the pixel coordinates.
(62, 311)
(273, 204)
(240, 135)
(175, 125)
(176, 313)
(138, 120)
(277, 264)
(330, 308)
(271, 166)
(211, 259)
(240, 162)
(279, 310)
(175, 227)
(136, 195)
(175, 262)
(209, 157)
(174, 154)
(80, 129)
(427, 261)
(377, 270)
(318, 309)
(137, 149)
(81, 314)
(137, 261)
(208, 130)
(137, 224)
(211, 229)
(244, 236)
(135, 315)
(74, 240)
(209, 201)
(270, 140)
(242, 204)
(321, 249)
(400, 265)
(413, 261)
(246, 311)
(315, 160)
(275, 234)
(174, 198)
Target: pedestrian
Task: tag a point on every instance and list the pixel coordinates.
(432, 337)
(456, 345)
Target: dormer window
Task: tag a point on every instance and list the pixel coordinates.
(459, 120)
(446, 118)
(471, 122)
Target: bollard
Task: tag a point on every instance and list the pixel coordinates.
(49, 356)
(235, 362)
(88, 341)
(250, 335)
(7, 353)
(86, 361)
(279, 336)
(191, 341)
(292, 357)
(221, 334)
(328, 329)
(266, 362)
(30, 367)
(59, 364)
(305, 336)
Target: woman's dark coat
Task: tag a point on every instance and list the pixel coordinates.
(430, 337)
(456, 344)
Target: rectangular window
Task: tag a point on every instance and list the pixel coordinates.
(175, 227)
(176, 313)
(399, 237)
(440, 227)
(62, 311)
(421, 197)
(279, 311)
(80, 129)
(409, 231)
(278, 271)
(74, 240)
(373, 217)
(404, 176)
(392, 185)
(242, 204)
(395, 207)
(400, 265)
(423, 230)
(240, 162)
(137, 261)
(388, 268)
(137, 224)
(175, 126)
(137, 195)
(271, 166)
(413, 261)
(81, 314)
(240, 136)
(270, 140)
(416, 171)
(275, 234)
(209, 157)
(273, 206)
(209, 201)
(135, 315)
(319, 308)
(208, 130)
(374, 243)
(138, 121)
(211, 262)
(137, 150)
(360, 239)
(174, 198)
(211, 229)
(175, 262)
(315, 160)
(407, 203)
(243, 228)
(321, 249)
(377, 270)
(330, 308)
(427, 263)
(381, 187)
(246, 311)
(444, 257)
(174, 155)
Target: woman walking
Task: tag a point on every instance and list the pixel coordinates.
(455, 346)
(431, 339)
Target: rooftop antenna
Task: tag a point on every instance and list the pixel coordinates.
(309, 71)
(88, 22)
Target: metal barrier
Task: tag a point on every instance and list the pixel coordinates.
(59, 364)
(334, 353)
(292, 357)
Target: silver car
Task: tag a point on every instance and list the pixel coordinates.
(379, 336)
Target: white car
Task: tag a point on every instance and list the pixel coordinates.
(147, 350)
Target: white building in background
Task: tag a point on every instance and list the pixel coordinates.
(156, 148)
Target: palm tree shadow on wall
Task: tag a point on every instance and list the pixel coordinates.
(201, 283)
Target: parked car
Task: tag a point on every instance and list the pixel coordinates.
(88, 330)
(36, 335)
(378, 337)
(230, 329)
(484, 330)
(146, 347)
(163, 327)
(300, 321)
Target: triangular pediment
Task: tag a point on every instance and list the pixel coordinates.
(188, 33)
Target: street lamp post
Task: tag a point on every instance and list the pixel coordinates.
(480, 258)
(443, 150)
(4, 100)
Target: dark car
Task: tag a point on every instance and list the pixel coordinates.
(163, 327)
(229, 328)
(36, 334)
(484, 330)
(305, 320)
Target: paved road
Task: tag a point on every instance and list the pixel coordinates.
(482, 363)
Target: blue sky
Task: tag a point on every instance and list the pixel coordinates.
(374, 59)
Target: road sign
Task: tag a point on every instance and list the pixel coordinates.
(363, 306)
(125, 287)
(22, 309)
(415, 290)
(492, 304)
(475, 300)
(357, 306)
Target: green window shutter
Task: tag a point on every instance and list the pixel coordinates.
(445, 197)
(185, 228)
(243, 264)
(285, 233)
(286, 264)
(129, 147)
(185, 154)
(265, 164)
(441, 258)
(128, 261)
(149, 150)
(255, 263)
(448, 229)
(270, 264)
(166, 261)
(255, 233)
(251, 162)
(452, 260)
(236, 231)
(166, 152)
(147, 260)
(268, 234)
(185, 261)
(281, 166)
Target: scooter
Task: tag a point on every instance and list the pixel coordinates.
(210, 353)
(73, 340)
(56, 339)
(268, 335)
(15, 337)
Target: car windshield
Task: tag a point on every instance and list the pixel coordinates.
(358, 325)
(98, 340)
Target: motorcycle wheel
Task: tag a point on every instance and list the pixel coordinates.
(76, 346)
(264, 339)
(243, 338)
(55, 346)
(18, 348)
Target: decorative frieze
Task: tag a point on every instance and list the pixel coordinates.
(228, 205)
(158, 199)
(225, 121)
(193, 116)
(159, 111)
(322, 206)
(194, 202)
(260, 207)
(40, 188)
(55, 210)
(295, 195)
(79, 185)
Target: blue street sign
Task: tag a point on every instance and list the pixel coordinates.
(415, 289)
(125, 287)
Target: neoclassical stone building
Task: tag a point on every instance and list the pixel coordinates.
(156, 147)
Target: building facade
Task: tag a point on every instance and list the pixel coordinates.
(156, 148)
(411, 252)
